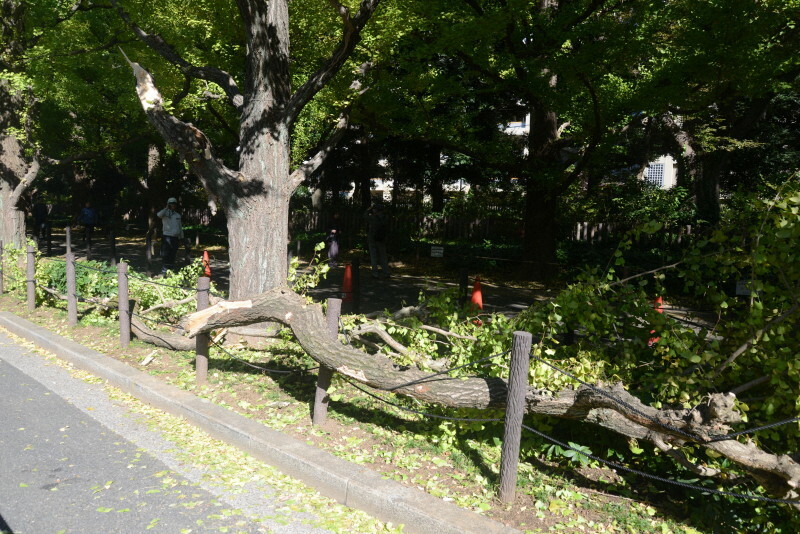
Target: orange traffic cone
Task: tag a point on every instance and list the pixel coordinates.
(347, 284)
(206, 264)
(658, 305)
(477, 294)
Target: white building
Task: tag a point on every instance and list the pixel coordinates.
(661, 172)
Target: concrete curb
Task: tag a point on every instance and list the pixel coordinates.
(350, 484)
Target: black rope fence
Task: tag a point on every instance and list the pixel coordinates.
(260, 368)
(83, 265)
(160, 323)
(563, 445)
(691, 436)
(446, 371)
(650, 476)
(153, 282)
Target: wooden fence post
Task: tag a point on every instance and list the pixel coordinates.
(123, 305)
(324, 375)
(356, 288)
(202, 340)
(112, 241)
(68, 237)
(463, 286)
(72, 297)
(515, 410)
(148, 251)
(31, 278)
(2, 264)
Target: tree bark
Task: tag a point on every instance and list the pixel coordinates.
(627, 416)
(15, 175)
(255, 197)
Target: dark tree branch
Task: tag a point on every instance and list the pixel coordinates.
(313, 163)
(220, 119)
(592, 8)
(594, 141)
(350, 38)
(156, 43)
(476, 7)
(190, 142)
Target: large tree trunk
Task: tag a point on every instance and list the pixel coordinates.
(540, 206)
(541, 231)
(16, 176)
(16, 173)
(255, 197)
(12, 219)
(257, 233)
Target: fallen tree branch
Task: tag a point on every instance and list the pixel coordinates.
(381, 333)
(445, 333)
(609, 407)
(750, 385)
(160, 339)
(679, 457)
(169, 304)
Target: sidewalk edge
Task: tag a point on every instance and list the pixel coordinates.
(351, 484)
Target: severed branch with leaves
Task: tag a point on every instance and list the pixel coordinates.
(608, 406)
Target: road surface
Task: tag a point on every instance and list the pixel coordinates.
(73, 461)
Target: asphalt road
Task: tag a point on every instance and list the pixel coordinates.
(72, 461)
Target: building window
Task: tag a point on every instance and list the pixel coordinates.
(654, 173)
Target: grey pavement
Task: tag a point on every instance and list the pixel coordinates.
(73, 461)
(350, 484)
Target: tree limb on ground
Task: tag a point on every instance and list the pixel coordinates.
(445, 333)
(160, 339)
(609, 407)
(381, 333)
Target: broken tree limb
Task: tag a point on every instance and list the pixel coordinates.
(610, 407)
(381, 333)
(169, 304)
(166, 340)
(446, 333)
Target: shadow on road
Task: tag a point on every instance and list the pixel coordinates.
(4, 528)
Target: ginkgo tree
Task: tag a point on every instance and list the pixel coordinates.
(253, 187)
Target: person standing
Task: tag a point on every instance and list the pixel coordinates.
(377, 234)
(88, 218)
(40, 214)
(172, 234)
(334, 232)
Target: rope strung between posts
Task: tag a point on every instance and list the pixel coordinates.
(84, 266)
(160, 323)
(254, 366)
(588, 455)
(410, 410)
(434, 375)
(615, 465)
(691, 436)
(148, 281)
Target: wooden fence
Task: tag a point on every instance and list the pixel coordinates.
(352, 223)
(596, 233)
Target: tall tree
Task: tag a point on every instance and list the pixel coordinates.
(17, 170)
(582, 70)
(254, 192)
